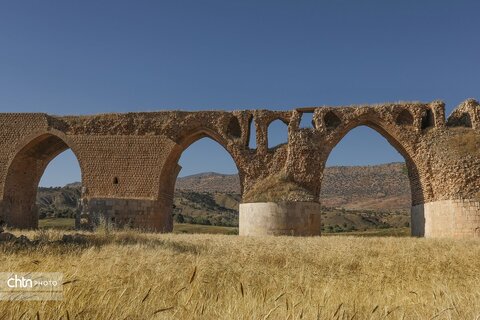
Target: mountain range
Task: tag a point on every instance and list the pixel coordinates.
(353, 198)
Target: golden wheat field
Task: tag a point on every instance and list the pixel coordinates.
(132, 275)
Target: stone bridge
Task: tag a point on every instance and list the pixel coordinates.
(129, 163)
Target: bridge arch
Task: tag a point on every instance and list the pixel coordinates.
(171, 168)
(391, 132)
(24, 171)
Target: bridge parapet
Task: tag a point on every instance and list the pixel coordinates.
(466, 115)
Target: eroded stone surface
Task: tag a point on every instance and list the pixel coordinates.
(132, 159)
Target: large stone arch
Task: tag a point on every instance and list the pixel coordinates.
(24, 171)
(392, 133)
(171, 168)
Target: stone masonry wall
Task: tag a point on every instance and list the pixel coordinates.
(143, 214)
(126, 167)
(14, 131)
(447, 218)
(134, 156)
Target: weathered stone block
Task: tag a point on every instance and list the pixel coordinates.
(446, 218)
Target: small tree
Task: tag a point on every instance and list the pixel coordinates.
(179, 218)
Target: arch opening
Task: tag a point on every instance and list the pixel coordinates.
(234, 129)
(252, 134)
(277, 133)
(428, 119)
(201, 188)
(405, 118)
(369, 182)
(465, 120)
(331, 120)
(43, 187)
(207, 191)
(306, 120)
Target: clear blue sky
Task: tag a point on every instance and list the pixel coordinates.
(83, 57)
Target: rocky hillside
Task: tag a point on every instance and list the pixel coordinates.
(355, 198)
(380, 187)
(211, 208)
(58, 202)
(210, 182)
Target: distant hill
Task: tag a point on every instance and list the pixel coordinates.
(58, 201)
(210, 182)
(379, 187)
(370, 194)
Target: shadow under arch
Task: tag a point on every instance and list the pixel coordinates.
(171, 169)
(416, 188)
(24, 171)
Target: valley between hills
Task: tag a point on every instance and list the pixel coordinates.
(356, 198)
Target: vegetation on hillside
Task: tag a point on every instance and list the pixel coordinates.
(380, 187)
(383, 187)
(354, 198)
(210, 182)
(58, 202)
(219, 209)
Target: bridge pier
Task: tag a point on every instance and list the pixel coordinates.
(150, 215)
(446, 219)
(23, 215)
(280, 218)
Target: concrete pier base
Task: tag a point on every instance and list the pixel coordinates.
(284, 218)
(447, 219)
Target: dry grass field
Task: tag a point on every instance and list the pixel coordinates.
(133, 275)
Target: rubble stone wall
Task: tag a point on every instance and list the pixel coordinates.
(132, 158)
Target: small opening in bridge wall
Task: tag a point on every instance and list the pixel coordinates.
(115, 180)
(405, 118)
(277, 133)
(465, 120)
(428, 120)
(252, 135)
(460, 120)
(332, 120)
(233, 128)
(307, 120)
